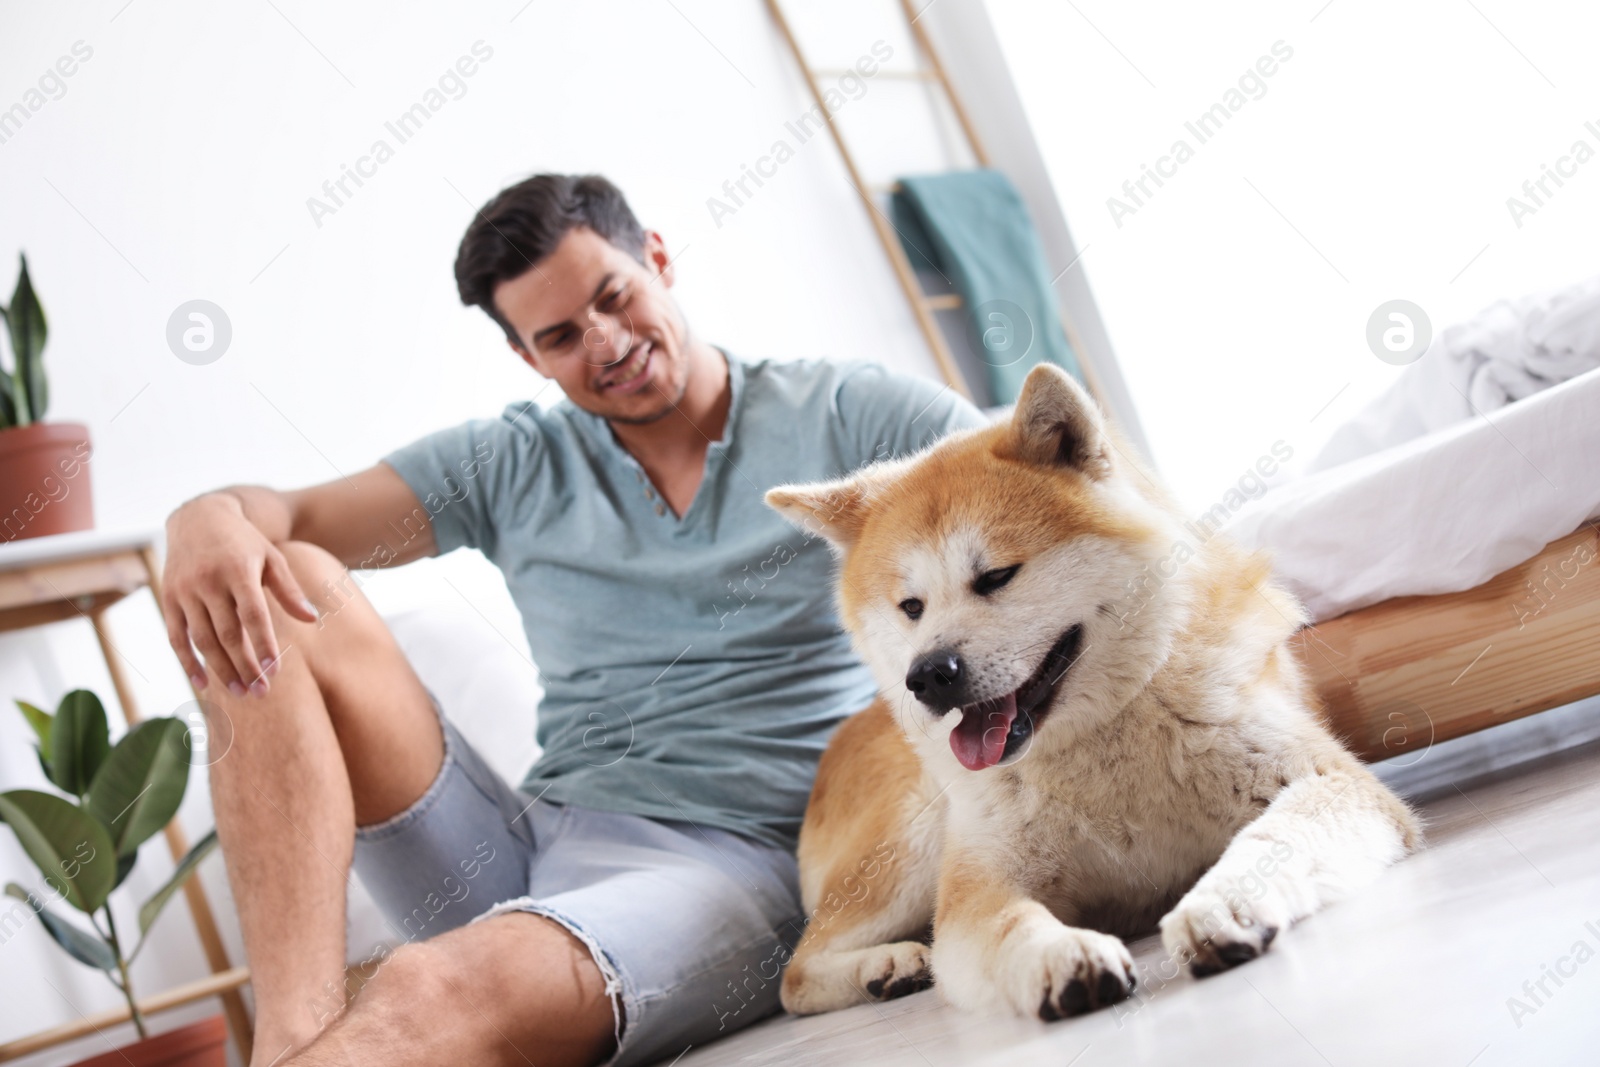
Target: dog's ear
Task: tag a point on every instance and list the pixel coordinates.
(1056, 423)
(837, 510)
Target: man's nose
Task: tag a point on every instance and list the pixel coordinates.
(937, 678)
(606, 340)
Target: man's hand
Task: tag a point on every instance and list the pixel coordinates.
(219, 566)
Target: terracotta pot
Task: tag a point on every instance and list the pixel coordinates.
(44, 480)
(201, 1044)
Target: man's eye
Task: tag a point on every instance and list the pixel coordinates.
(912, 607)
(989, 581)
(614, 300)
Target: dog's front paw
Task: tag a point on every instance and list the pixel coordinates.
(819, 981)
(1068, 973)
(1217, 925)
(901, 969)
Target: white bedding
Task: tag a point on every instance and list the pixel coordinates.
(1507, 352)
(1438, 513)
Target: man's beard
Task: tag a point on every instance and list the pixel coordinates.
(670, 406)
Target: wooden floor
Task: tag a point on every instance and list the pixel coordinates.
(1420, 969)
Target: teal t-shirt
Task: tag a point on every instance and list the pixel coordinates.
(693, 668)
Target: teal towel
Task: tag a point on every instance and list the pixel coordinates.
(972, 227)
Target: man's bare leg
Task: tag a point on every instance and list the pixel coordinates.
(517, 989)
(345, 735)
(287, 798)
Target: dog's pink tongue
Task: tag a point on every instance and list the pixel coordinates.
(979, 738)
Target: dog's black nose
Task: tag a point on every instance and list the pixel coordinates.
(935, 677)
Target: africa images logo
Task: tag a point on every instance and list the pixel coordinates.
(851, 85)
(1203, 128)
(336, 192)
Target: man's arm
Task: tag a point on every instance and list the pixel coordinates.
(222, 558)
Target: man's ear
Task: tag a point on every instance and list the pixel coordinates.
(1056, 423)
(837, 510)
(656, 260)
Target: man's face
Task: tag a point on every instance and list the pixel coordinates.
(601, 324)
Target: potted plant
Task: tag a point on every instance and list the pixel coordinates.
(44, 466)
(86, 847)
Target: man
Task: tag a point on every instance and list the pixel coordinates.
(634, 895)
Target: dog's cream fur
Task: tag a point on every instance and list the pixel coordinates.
(1179, 773)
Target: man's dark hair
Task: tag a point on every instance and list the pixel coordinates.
(524, 223)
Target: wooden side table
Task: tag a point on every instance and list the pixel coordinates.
(66, 576)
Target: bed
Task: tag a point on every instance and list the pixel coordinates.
(1454, 579)
(1408, 672)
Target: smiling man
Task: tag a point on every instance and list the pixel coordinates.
(636, 892)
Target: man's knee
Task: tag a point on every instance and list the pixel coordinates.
(328, 583)
(347, 627)
(419, 974)
(519, 978)
(411, 990)
(498, 952)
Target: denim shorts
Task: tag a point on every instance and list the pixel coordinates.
(688, 924)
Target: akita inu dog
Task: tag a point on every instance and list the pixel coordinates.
(1079, 732)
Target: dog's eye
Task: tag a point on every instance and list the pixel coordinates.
(989, 581)
(912, 607)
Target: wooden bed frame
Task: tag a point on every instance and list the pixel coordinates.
(1401, 675)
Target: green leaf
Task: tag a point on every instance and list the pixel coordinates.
(37, 717)
(141, 784)
(152, 907)
(79, 741)
(25, 318)
(70, 847)
(44, 764)
(8, 406)
(83, 947)
(124, 867)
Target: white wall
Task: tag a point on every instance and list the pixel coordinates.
(1390, 141)
(177, 164)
